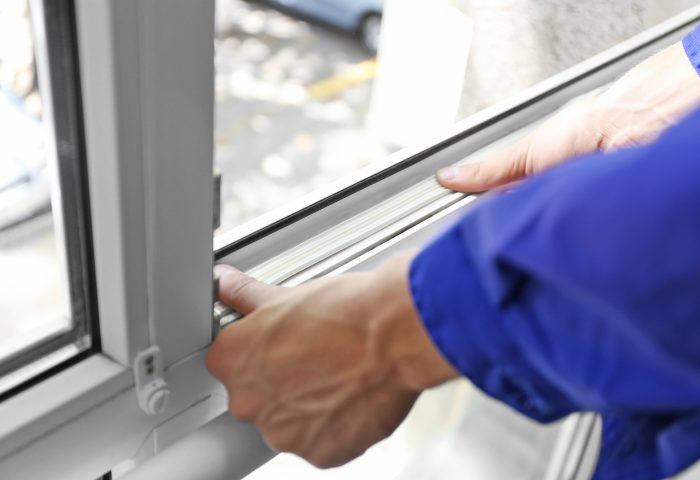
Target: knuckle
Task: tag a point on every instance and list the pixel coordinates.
(280, 442)
(232, 340)
(221, 358)
(323, 460)
(238, 288)
(524, 164)
(603, 139)
(242, 409)
(213, 361)
(476, 171)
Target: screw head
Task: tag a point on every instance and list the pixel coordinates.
(158, 401)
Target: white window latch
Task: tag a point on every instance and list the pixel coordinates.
(152, 391)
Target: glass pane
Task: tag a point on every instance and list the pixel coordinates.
(302, 100)
(46, 305)
(33, 302)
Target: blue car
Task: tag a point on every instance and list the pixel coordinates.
(360, 17)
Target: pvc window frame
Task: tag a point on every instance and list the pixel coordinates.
(147, 78)
(147, 92)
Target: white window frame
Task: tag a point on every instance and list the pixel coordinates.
(147, 88)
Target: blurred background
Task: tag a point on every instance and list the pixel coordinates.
(303, 97)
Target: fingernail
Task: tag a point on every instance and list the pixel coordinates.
(446, 174)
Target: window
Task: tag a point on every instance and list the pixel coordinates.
(387, 204)
(144, 139)
(302, 102)
(132, 92)
(44, 244)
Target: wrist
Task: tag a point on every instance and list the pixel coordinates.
(653, 96)
(399, 331)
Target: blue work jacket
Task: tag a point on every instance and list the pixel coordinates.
(580, 291)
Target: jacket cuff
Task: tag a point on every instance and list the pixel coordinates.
(470, 333)
(691, 44)
(452, 306)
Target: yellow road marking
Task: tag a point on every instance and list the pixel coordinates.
(355, 75)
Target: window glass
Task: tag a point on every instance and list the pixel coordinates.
(42, 313)
(33, 304)
(302, 99)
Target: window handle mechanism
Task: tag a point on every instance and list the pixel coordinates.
(151, 389)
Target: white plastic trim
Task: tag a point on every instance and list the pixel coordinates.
(87, 420)
(46, 406)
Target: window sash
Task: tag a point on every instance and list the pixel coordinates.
(146, 70)
(148, 76)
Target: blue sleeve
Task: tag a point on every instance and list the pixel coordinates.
(580, 291)
(691, 44)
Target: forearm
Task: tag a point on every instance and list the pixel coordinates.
(580, 291)
(634, 110)
(646, 101)
(397, 329)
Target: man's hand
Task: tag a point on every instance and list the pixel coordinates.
(327, 369)
(651, 97)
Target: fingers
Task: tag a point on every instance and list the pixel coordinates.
(242, 292)
(506, 167)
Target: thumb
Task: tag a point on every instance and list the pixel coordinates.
(242, 292)
(505, 167)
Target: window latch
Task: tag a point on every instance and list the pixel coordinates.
(151, 389)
